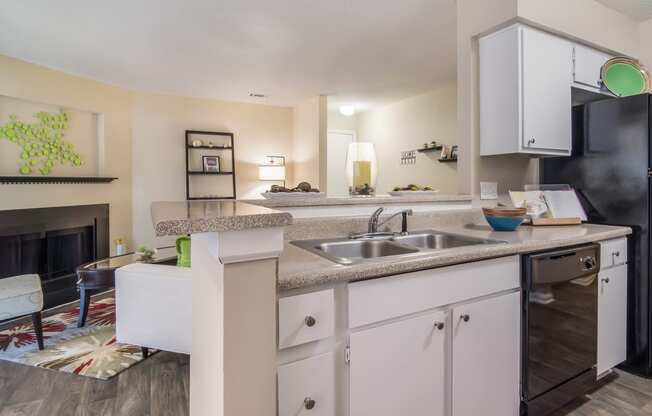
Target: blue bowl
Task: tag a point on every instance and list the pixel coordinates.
(504, 223)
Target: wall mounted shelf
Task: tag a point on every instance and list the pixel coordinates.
(430, 149)
(209, 173)
(54, 179)
(210, 147)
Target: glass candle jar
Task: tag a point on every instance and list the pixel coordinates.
(361, 169)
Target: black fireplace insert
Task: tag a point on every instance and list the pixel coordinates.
(53, 242)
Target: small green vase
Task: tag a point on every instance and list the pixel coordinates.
(183, 252)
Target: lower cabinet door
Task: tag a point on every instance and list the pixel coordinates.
(612, 317)
(399, 368)
(307, 387)
(486, 357)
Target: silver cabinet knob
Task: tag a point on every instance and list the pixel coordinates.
(310, 321)
(309, 403)
(439, 325)
(531, 141)
(465, 317)
(606, 280)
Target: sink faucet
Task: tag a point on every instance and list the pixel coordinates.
(374, 220)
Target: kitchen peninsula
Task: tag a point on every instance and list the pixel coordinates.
(309, 331)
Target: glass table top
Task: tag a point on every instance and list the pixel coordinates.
(162, 255)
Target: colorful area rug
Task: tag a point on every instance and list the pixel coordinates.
(91, 351)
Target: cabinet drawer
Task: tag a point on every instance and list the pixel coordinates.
(613, 252)
(380, 299)
(305, 318)
(307, 387)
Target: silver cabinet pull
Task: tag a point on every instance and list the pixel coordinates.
(606, 280)
(309, 403)
(531, 141)
(310, 321)
(465, 317)
(439, 325)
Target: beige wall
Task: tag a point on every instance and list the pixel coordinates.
(337, 121)
(645, 35)
(159, 123)
(309, 125)
(586, 20)
(407, 125)
(26, 81)
(473, 18)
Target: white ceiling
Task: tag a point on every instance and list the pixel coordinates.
(225, 49)
(636, 9)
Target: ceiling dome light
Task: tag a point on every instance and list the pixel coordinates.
(347, 110)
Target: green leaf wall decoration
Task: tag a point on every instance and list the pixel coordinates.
(41, 142)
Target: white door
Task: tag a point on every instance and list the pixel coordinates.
(336, 148)
(399, 368)
(612, 317)
(486, 357)
(588, 65)
(547, 76)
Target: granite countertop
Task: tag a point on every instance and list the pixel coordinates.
(298, 201)
(191, 217)
(300, 269)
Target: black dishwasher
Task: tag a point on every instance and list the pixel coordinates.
(560, 334)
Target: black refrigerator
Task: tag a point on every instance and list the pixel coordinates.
(610, 170)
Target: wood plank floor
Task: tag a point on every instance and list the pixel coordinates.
(626, 395)
(157, 386)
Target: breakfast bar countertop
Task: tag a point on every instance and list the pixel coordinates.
(300, 269)
(191, 217)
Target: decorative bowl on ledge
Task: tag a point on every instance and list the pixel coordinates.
(293, 195)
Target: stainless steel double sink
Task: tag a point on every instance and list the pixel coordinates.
(352, 251)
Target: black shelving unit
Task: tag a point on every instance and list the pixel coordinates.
(190, 173)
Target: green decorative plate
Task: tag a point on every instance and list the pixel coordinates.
(625, 77)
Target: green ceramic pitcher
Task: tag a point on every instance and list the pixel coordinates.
(183, 252)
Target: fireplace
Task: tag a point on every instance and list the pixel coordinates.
(53, 242)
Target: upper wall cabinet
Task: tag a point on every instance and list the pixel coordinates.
(525, 93)
(587, 65)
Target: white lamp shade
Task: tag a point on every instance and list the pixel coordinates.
(271, 173)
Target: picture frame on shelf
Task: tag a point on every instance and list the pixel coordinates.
(211, 164)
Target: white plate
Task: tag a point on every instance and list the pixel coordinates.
(411, 193)
(293, 195)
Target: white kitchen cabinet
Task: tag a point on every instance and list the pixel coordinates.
(306, 318)
(399, 368)
(307, 387)
(525, 92)
(486, 351)
(612, 317)
(587, 65)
